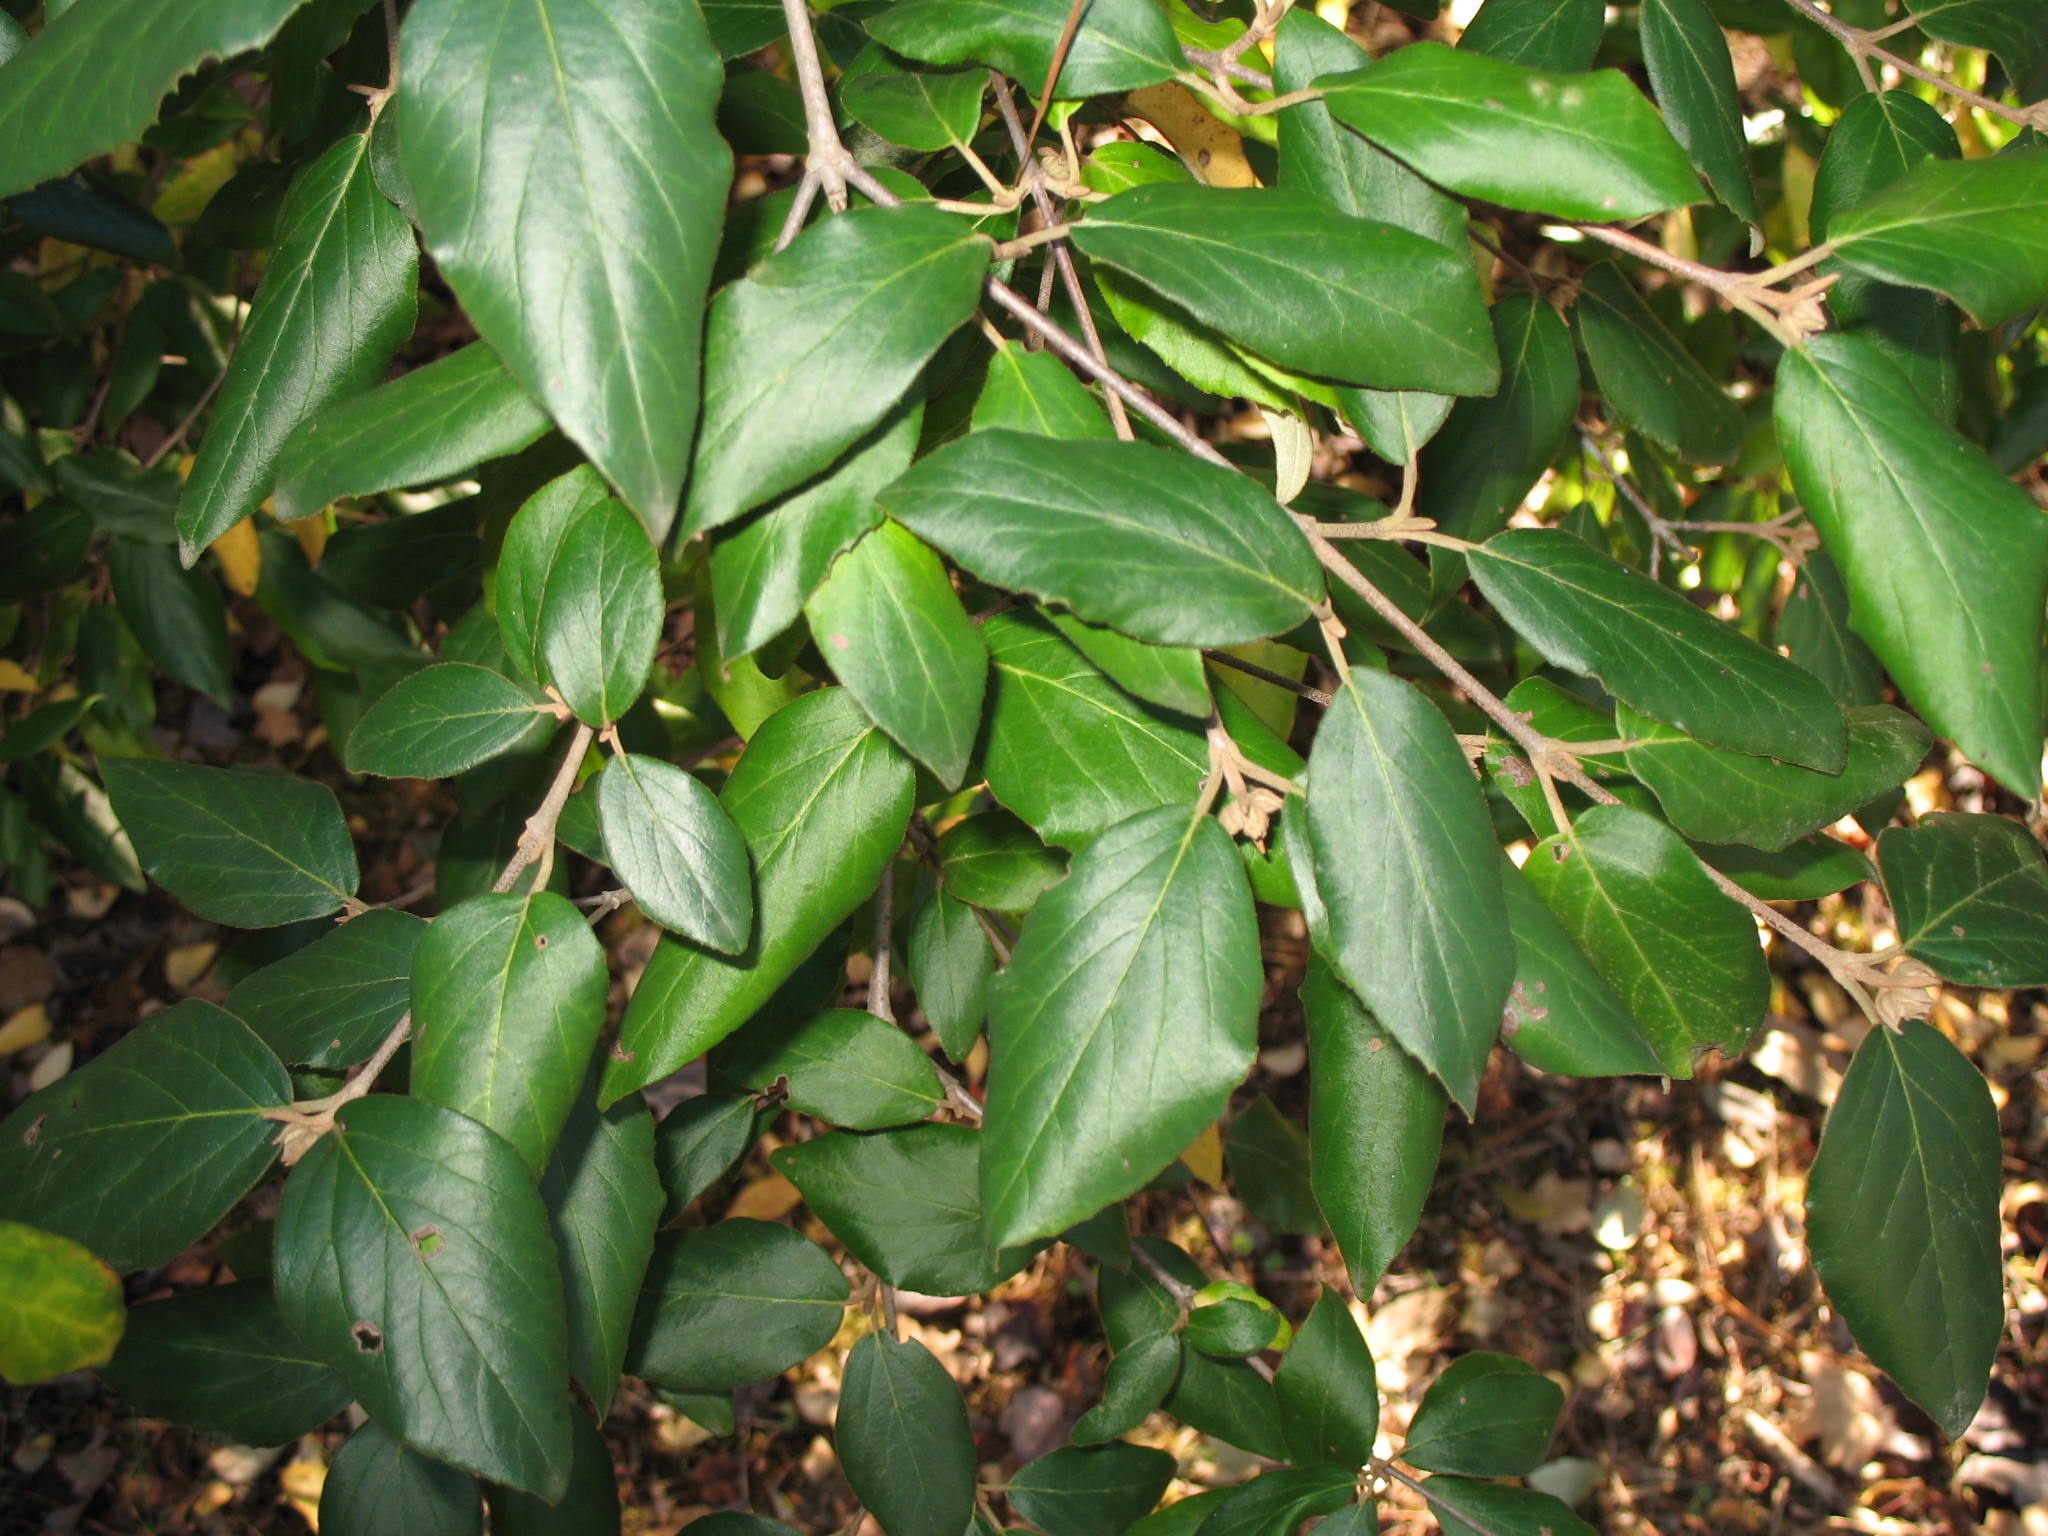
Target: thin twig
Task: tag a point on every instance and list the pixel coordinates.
(1278, 680)
(879, 1002)
(1789, 316)
(1863, 47)
(537, 839)
(307, 1120)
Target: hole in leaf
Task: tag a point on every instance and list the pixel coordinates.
(428, 1241)
(368, 1338)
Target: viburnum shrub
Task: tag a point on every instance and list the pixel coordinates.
(947, 544)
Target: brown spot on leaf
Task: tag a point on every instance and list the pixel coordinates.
(34, 1133)
(369, 1338)
(540, 941)
(428, 1241)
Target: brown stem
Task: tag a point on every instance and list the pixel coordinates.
(537, 839)
(1863, 49)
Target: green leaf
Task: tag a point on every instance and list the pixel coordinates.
(1232, 1327)
(530, 567)
(1543, 34)
(1148, 951)
(1157, 544)
(734, 1303)
(1562, 1016)
(1486, 1415)
(43, 550)
(1413, 918)
(993, 860)
(890, 625)
(822, 799)
(589, 1506)
(1329, 1396)
(2018, 34)
(1814, 628)
(1649, 378)
(906, 1203)
(87, 1157)
(1375, 1126)
(601, 612)
(1731, 797)
(764, 568)
(329, 1004)
(1464, 1507)
(507, 1001)
(1067, 750)
(236, 846)
(571, 186)
(93, 79)
(379, 1484)
(1811, 868)
(1489, 452)
(1971, 897)
(1170, 676)
(177, 615)
(903, 1439)
(1120, 44)
(697, 1142)
(741, 27)
(1902, 1218)
(1090, 1491)
(337, 300)
(81, 816)
(814, 346)
(413, 1257)
(1267, 1156)
(1682, 956)
(1946, 560)
(1137, 1381)
(1976, 230)
(1304, 283)
(1879, 137)
(951, 965)
(440, 721)
(1196, 354)
(125, 500)
(221, 1361)
(64, 1310)
(1588, 613)
(603, 1199)
(1578, 146)
(1276, 1502)
(426, 425)
(928, 110)
(1035, 392)
(846, 1067)
(676, 850)
(1693, 76)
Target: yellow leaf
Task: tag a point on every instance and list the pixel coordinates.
(766, 1198)
(1205, 1158)
(186, 964)
(241, 557)
(193, 187)
(1213, 150)
(311, 533)
(14, 678)
(24, 1027)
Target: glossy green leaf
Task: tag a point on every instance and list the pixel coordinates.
(1946, 560)
(2018, 34)
(822, 799)
(1811, 868)
(1067, 750)
(1466, 1507)
(1375, 1127)
(993, 860)
(744, 26)
(530, 567)
(86, 1158)
(1814, 628)
(1588, 613)
(1267, 1156)
(1976, 230)
(337, 300)
(951, 965)
(1409, 884)
(814, 346)
(588, 1507)
(1486, 1415)
(1879, 137)
(1543, 34)
(1277, 1501)
(1304, 283)
(413, 1257)
(379, 1484)
(1693, 76)
(1902, 1218)
(1489, 452)
(1120, 45)
(1170, 676)
(928, 110)
(1971, 897)
(1154, 543)
(1682, 956)
(64, 1310)
(423, 426)
(669, 840)
(846, 1066)
(1147, 952)
(1648, 377)
(507, 1001)
(221, 1361)
(1562, 1016)
(440, 721)
(331, 1003)
(1731, 797)
(734, 1303)
(1198, 355)
(891, 627)
(571, 187)
(1138, 1379)
(177, 615)
(1329, 1395)
(1577, 146)
(81, 816)
(601, 614)
(603, 1199)
(906, 1203)
(251, 849)
(1035, 392)
(903, 1439)
(1232, 1327)
(93, 78)
(1090, 1490)
(697, 1142)
(125, 499)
